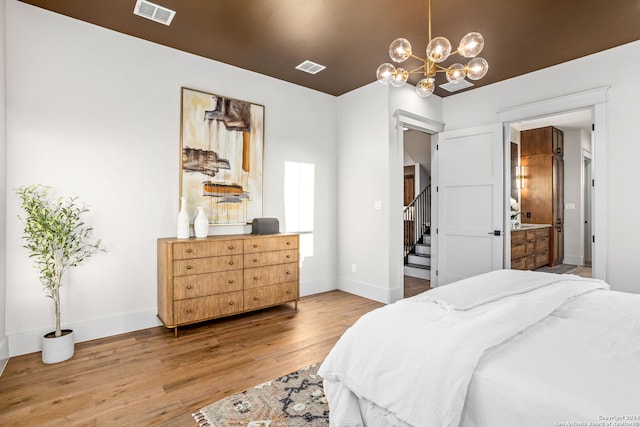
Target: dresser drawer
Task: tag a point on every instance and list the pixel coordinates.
(518, 251)
(270, 295)
(203, 249)
(518, 237)
(270, 275)
(197, 309)
(185, 267)
(519, 264)
(542, 259)
(259, 259)
(198, 285)
(542, 245)
(531, 262)
(542, 232)
(531, 248)
(531, 235)
(270, 244)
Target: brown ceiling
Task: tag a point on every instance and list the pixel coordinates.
(351, 37)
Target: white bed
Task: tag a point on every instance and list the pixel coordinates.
(506, 348)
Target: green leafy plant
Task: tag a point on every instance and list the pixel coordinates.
(57, 238)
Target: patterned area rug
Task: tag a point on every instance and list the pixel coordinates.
(296, 399)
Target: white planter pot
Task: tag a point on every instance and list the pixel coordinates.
(57, 349)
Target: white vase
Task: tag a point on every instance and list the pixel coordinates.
(183, 220)
(201, 223)
(57, 349)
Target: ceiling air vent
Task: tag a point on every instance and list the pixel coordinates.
(310, 67)
(154, 12)
(456, 86)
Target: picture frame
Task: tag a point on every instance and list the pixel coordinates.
(221, 157)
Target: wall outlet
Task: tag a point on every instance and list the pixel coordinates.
(377, 205)
(353, 268)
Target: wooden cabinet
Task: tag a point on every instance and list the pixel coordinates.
(201, 279)
(547, 140)
(530, 248)
(542, 197)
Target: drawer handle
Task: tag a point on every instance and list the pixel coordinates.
(230, 262)
(188, 267)
(189, 250)
(230, 246)
(255, 260)
(188, 310)
(230, 281)
(288, 243)
(255, 277)
(288, 272)
(288, 291)
(230, 302)
(188, 286)
(255, 246)
(255, 298)
(288, 256)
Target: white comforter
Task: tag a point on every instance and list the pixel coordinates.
(414, 360)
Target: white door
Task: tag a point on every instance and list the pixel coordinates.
(470, 206)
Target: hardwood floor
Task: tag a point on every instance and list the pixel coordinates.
(414, 286)
(150, 378)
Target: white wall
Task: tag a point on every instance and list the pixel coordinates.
(4, 343)
(370, 168)
(96, 113)
(480, 106)
(363, 171)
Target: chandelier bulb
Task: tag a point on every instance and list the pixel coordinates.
(385, 73)
(438, 49)
(400, 77)
(400, 50)
(455, 72)
(425, 87)
(477, 68)
(471, 45)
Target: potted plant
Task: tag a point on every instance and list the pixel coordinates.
(57, 239)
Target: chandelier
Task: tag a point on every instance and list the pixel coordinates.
(438, 50)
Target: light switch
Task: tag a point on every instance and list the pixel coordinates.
(377, 205)
(569, 206)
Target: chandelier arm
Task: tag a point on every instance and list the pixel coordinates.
(420, 69)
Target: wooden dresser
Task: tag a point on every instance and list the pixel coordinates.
(201, 279)
(530, 248)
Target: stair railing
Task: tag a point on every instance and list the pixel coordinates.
(417, 219)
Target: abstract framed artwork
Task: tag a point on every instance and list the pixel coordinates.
(221, 148)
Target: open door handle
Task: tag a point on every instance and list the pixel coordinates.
(495, 232)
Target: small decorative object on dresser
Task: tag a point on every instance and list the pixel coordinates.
(201, 223)
(183, 220)
(202, 279)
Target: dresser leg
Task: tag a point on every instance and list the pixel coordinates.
(175, 332)
(296, 305)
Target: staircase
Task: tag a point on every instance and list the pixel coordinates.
(417, 236)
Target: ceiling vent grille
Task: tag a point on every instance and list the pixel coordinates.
(456, 86)
(310, 67)
(154, 12)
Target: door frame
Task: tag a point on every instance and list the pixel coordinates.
(596, 100)
(410, 120)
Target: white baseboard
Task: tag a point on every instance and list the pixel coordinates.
(365, 290)
(4, 354)
(31, 341)
(573, 260)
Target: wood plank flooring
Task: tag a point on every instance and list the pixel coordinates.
(150, 378)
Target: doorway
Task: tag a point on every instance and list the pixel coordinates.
(572, 229)
(416, 211)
